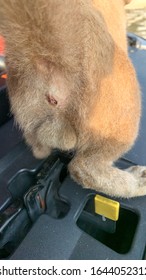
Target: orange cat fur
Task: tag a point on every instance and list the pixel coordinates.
(72, 86)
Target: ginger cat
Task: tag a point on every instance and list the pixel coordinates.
(72, 86)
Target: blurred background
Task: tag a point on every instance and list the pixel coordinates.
(136, 17)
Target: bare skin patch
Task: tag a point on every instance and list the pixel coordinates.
(51, 100)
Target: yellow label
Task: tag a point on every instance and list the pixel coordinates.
(107, 207)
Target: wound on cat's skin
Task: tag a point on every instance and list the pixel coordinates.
(51, 100)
